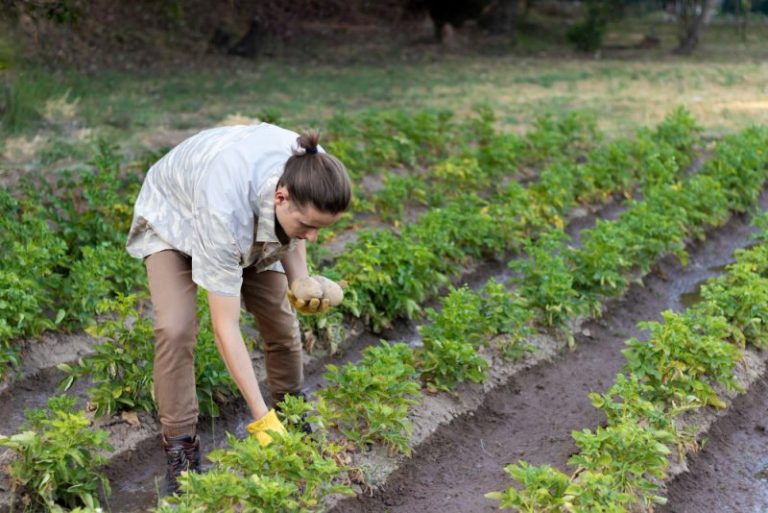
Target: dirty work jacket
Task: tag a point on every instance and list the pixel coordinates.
(212, 198)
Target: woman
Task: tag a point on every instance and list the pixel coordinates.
(229, 210)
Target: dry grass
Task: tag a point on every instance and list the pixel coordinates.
(725, 86)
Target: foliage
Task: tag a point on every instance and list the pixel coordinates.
(388, 277)
(569, 134)
(473, 316)
(121, 365)
(104, 272)
(461, 317)
(369, 401)
(543, 490)
(740, 297)
(633, 455)
(445, 363)
(58, 458)
(546, 281)
(546, 489)
(455, 177)
(682, 356)
(290, 474)
(587, 35)
(398, 191)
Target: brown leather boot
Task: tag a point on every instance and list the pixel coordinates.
(182, 453)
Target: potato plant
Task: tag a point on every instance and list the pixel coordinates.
(58, 458)
(669, 216)
(293, 473)
(674, 371)
(368, 401)
(684, 356)
(121, 366)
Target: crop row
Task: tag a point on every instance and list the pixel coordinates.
(71, 228)
(686, 359)
(389, 275)
(368, 401)
(385, 378)
(438, 375)
(448, 355)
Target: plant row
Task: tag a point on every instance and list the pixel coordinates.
(560, 280)
(368, 402)
(388, 378)
(687, 362)
(444, 343)
(391, 273)
(71, 228)
(393, 270)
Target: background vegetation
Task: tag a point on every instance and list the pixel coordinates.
(146, 74)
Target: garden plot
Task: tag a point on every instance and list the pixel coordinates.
(134, 488)
(532, 416)
(137, 463)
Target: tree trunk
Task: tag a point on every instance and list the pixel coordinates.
(250, 44)
(499, 17)
(742, 11)
(692, 28)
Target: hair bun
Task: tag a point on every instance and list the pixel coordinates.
(308, 141)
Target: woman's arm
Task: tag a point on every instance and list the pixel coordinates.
(225, 317)
(295, 263)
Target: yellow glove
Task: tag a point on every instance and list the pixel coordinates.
(268, 422)
(306, 296)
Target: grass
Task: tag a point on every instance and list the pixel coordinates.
(725, 85)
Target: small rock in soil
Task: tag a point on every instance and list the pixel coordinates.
(762, 474)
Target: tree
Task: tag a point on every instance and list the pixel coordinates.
(692, 15)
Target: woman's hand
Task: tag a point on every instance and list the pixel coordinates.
(315, 294)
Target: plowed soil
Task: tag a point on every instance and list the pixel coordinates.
(533, 416)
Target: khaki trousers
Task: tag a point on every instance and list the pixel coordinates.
(174, 301)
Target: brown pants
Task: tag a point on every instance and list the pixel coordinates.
(174, 301)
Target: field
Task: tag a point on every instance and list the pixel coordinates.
(556, 264)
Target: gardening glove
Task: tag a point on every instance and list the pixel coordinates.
(314, 295)
(269, 422)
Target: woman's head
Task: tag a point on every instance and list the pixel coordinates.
(317, 179)
(313, 191)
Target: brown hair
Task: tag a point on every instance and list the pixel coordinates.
(316, 178)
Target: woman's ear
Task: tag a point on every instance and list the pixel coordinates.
(281, 195)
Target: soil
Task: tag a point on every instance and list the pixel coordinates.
(137, 447)
(730, 474)
(540, 406)
(533, 415)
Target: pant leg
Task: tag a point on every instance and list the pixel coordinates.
(174, 302)
(265, 297)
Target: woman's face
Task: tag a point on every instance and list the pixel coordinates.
(300, 222)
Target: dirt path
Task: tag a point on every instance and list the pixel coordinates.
(730, 474)
(532, 417)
